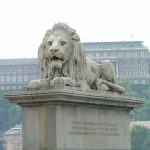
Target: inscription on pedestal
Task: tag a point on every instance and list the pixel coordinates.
(94, 128)
(91, 128)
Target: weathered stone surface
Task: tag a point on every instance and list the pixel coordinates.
(62, 59)
(73, 119)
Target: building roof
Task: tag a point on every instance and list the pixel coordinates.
(115, 45)
(117, 42)
(20, 61)
(17, 130)
(142, 123)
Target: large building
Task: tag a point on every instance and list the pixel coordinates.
(131, 60)
(16, 73)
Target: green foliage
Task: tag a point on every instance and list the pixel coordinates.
(124, 82)
(142, 113)
(140, 138)
(10, 114)
(140, 91)
(146, 92)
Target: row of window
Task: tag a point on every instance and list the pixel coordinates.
(132, 72)
(8, 87)
(18, 70)
(17, 78)
(100, 46)
(139, 82)
(114, 54)
(134, 64)
(112, 45)
(132, 54)
(101, 55)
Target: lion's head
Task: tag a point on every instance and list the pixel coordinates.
(61, 54)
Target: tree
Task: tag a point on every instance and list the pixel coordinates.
(140, 138)
(140, 91)
(141, 113)
(146, 93)
(124, 82)
(10, 114)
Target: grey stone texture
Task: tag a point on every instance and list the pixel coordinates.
(62, 58)
(72, 119)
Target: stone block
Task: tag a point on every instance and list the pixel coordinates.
(71, 119)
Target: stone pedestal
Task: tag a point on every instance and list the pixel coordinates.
(70, 119)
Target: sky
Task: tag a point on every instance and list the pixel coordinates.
(23, 23)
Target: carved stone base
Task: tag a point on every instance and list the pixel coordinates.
(70, 119)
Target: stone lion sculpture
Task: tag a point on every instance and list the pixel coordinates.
(62, 60)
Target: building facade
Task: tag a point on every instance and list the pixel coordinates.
(12, 139)
(131, 60)
(16, 73)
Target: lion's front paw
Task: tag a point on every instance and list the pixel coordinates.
(63, 81)
(34, 84)
(38, 84)
(104, 87)
(58, 80)
(100, 85)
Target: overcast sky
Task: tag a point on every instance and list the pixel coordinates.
(23, 23)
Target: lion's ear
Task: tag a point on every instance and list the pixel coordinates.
(79, 61)
(42, 59)
(48, 32)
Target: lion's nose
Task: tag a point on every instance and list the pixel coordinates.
(54, 50)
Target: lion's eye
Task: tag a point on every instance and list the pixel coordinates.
(63, 43)
(49, 43)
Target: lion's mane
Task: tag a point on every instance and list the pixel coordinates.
(76, 65)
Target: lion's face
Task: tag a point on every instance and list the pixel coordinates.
(58, 48)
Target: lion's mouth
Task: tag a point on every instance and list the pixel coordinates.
(55, 58)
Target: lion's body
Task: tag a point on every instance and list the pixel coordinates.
(61, 56)
(93, 71)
